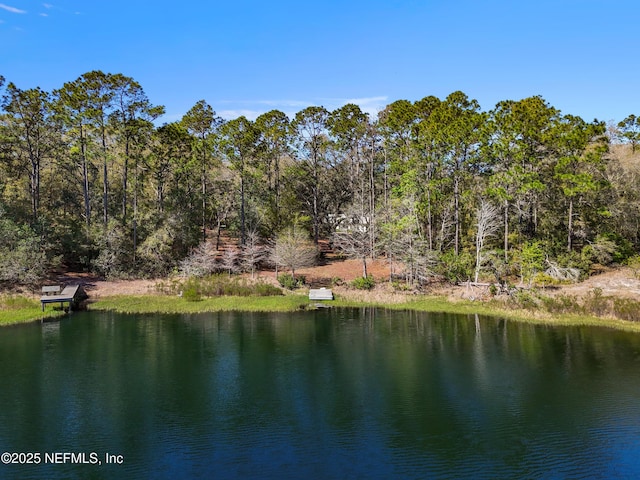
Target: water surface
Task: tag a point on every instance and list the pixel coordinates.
(328, 394)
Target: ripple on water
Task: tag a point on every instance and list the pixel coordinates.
(318, 396)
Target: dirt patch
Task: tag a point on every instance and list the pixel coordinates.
(344, 270)
(322, 275)
(97, 287)
(619, 282)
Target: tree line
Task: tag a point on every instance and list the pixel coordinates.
(438, 187)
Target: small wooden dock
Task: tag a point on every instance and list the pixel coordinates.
(71, 294)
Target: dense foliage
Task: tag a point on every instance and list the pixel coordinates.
(438, 186)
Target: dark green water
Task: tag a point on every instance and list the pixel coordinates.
(326, 394)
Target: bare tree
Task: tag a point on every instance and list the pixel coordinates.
(443, 235)
(418, 259)
(200, 262)
(292, 249)
(353, 238)
(488, 218)
(252, 252)
(229, 260)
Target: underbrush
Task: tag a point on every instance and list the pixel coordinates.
(594, 304)
(288, 281)
(14, 302)
(363, 283)
(196, 288)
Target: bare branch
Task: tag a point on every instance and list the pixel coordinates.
(292, 249)
(252, 252)
(557, 272)
(229, 260)
(488, 224)
(354, 238)
(200, 262)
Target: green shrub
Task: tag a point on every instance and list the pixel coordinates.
(595, 303)
(400, 286)
(114, 259)
(525, 299)
(456, 268)
(266, 290)
(623, 247)
(531, 258)
(544, 279)
(23, 258)
(363, 283)
(289, 282)
(561, 304)
(626, 309)
(602, 251)
(191, 294)
(573, 260)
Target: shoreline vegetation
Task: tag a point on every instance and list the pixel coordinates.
(148, 304)
(593, 310)
(17, 309)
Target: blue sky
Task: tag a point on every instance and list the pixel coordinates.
(246, 57)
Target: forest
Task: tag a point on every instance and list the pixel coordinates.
(89, 181)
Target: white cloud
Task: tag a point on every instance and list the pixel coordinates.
(44, 14)
(252, 108)
(11, 9)
(47, 5)
(283, 103)
(368, 100)
(231, 113)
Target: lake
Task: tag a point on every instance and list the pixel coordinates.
(328, 394)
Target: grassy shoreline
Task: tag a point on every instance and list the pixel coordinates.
(143, 304)
(290, 303)
(466, 307)
(28, 314)
(172, 304)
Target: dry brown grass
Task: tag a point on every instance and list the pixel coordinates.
(380, 294)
